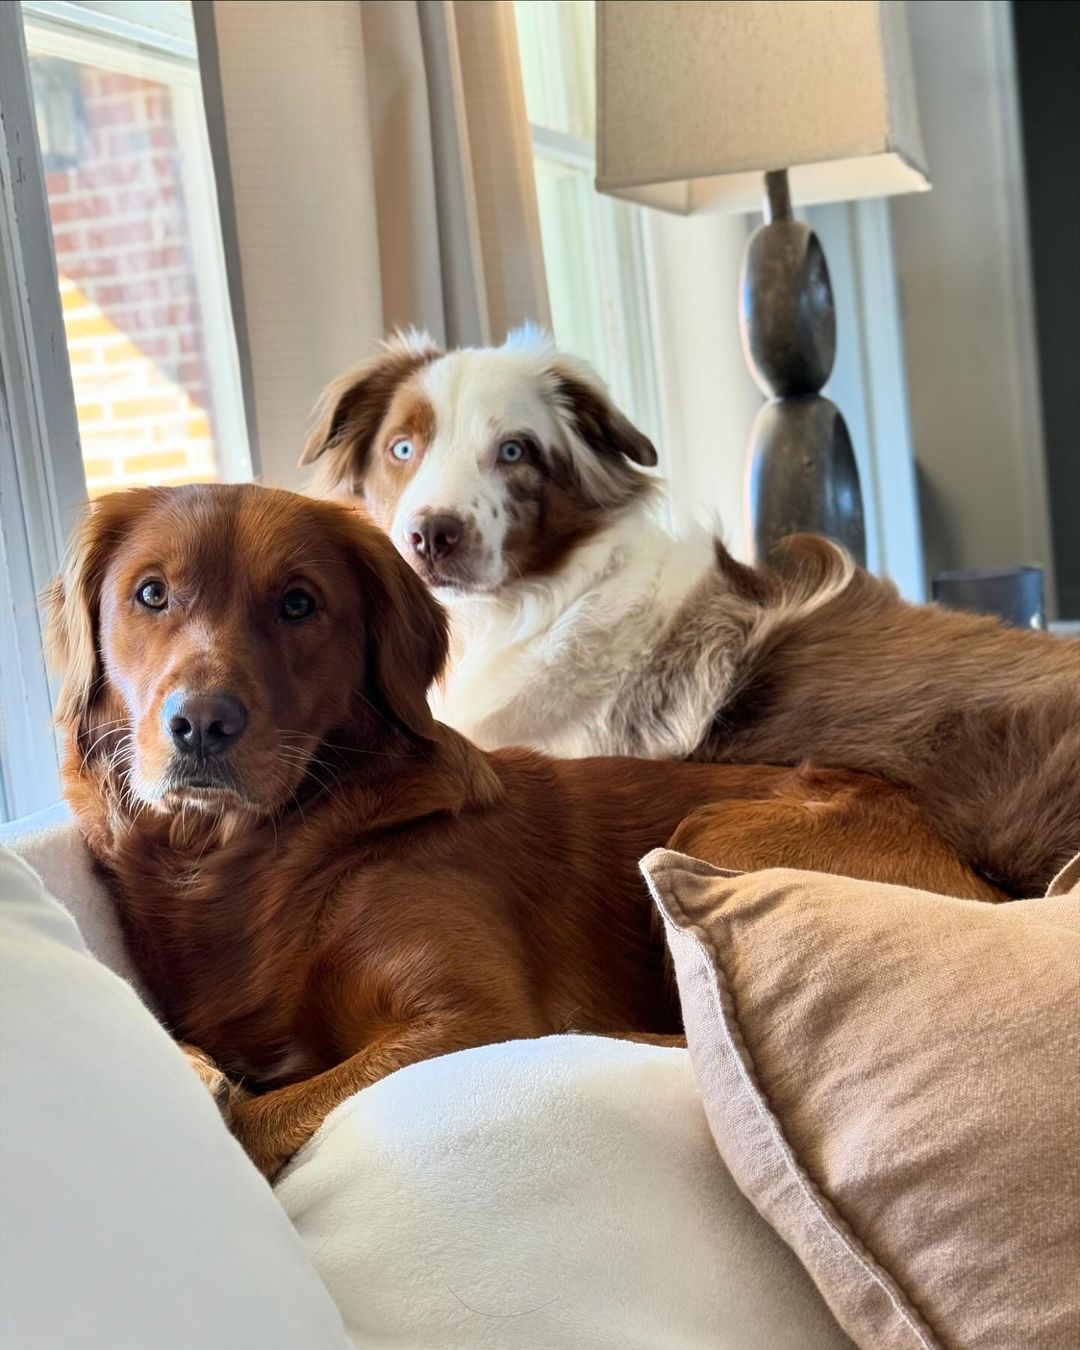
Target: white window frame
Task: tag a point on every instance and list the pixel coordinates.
(41, 473)
(628, 326)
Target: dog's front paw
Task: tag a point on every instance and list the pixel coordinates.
(224, 1092)
(253, 1126)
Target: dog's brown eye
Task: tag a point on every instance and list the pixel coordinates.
(297, 605)
(153, 595)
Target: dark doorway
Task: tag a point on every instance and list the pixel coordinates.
(1048, 61)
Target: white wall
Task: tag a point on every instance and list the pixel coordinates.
(709, 400)
(961, 252)
(868, 383)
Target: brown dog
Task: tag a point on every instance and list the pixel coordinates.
(320, 884)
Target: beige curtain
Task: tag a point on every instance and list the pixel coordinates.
(373, 171)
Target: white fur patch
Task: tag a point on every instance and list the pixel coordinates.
(544, 663)
(480, 399)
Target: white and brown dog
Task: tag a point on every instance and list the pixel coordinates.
(514, 487)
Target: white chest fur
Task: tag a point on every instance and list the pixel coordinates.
(546, 662)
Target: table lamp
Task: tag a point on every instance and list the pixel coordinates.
(744, 105)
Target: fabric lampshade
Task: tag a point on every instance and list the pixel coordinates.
(697, 98)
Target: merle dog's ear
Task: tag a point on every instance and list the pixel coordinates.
(72, 603)
(352, 407)
(602, 446)
(597, 421)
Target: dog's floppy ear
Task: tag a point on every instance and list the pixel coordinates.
(72, 602)
(602, 446)
(352, 407)
(407, 639)
(597, 421)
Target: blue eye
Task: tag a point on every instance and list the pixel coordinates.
(402, 450)
(153, 594)
(511, 452)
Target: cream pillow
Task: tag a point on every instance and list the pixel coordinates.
(554, 1194)
(893, 1078)
(131, 1218)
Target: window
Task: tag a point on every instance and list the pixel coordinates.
(594, 252)
(150, 392)
(650, 299)
(138, 253)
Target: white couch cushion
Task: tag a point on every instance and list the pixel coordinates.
(559, 1194)
(131, 1218)
(50, 842)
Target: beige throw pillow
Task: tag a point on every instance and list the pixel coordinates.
(893, 1078)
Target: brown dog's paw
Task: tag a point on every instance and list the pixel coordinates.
(253, 1128)
(216, 1082)
(245, 1115)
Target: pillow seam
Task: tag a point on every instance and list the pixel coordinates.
(754, 1087)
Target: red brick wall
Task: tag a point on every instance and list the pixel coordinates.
(127, 278)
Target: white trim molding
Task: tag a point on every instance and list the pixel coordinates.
(41, 474)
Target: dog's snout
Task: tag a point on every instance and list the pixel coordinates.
(435, 536)
(203, 724)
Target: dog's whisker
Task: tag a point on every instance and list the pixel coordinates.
(106, 730)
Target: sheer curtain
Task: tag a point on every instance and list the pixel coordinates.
(374, 171)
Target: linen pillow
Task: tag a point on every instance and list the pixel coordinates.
(893, 1078)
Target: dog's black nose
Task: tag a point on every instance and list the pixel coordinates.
(203, 723)
(435, 536)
